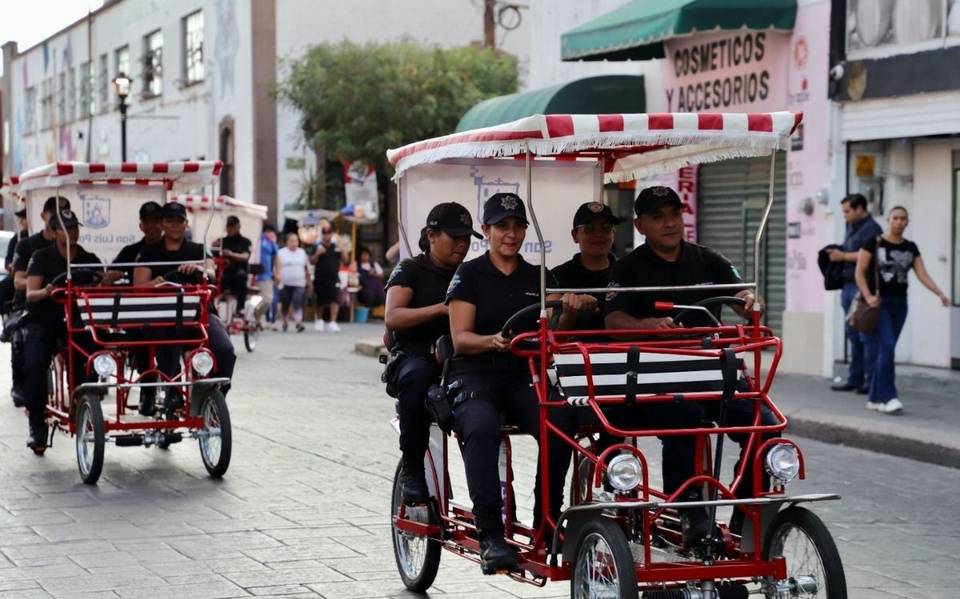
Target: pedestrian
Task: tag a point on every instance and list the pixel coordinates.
(861, 228)
(293, 275)
(370, 277)
(892, 256)
(269, 275)
(326, 278)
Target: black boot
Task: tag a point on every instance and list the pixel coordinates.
(148, 396)
(19, 400)
(694, 522)
(496, 555)
(37, 437)
(413, 482)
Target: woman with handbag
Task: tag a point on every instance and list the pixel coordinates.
(891, 257)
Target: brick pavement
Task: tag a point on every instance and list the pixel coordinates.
(303, 510)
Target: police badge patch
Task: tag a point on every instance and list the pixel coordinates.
(453, 283)
(596, 207)
(612, 295)
(509, 202)
(660, 190)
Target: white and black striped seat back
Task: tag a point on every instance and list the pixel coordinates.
(119, 309)
(657, 373)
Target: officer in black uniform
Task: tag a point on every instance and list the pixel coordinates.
(7, 290)
(21, 259)
(416, 316)
(150, 225)
(44, 321)
(236, 249)
(487, 381)
(665, 260)
(174, 247)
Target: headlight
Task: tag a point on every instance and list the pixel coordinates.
(104, 365)
(202, 363)
(624, 472)
(782, 462)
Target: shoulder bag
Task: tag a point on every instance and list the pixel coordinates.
(862, 316)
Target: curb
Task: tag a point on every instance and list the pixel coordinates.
(372, 348)
(913, 449)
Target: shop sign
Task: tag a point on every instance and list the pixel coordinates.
(727, 72)
(865, 165)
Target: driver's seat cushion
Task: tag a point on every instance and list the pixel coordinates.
(117, 308)
(657, 374)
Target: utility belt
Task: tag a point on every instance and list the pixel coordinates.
(414, 348)
(500, 362)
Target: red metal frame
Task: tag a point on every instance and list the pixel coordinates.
(457, 532)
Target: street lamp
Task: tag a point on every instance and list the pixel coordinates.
(121, 85)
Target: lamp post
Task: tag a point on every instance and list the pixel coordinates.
(121, 85)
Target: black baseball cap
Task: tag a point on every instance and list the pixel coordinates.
(174, 210)
(592, 211)
(51, 204)
(66, 217)
(150, 209)
(232, 221)
(652, 198)
(452, 218)
(504, 205)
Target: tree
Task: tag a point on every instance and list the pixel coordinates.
(356, 101)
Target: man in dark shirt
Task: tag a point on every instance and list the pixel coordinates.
(861, 229)
(173, 247)
(665, 259)
(326, 278)
(21, 259)
(152, 230)
(235, 248)
(45, 318)
(7, 290)
(593, 232)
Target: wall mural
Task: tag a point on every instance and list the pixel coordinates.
(227, 43)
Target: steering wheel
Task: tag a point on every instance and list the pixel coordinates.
(515, 324)
(86, 278)
(176, 277)
(708, 303)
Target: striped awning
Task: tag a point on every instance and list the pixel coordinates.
(632, 145)
(222, 202)
(175, 175)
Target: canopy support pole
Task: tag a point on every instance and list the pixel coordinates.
(536, 226)
(758, 239)
(403, 232)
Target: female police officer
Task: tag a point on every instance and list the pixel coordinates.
(487, 381)
(416, 316)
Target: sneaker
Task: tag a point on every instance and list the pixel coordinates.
(874, 406)
(299, 327)
(318, 325)
(891, 407)
(843, 387)
(333, 327)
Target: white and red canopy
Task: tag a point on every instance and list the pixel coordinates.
(175, 175)
(227, 204)
(632, 145)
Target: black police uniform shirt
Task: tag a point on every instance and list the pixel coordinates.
(128, 255)
(26, 248)
(12, 248)
(497, 297)
(157, 252)
(48, 263)
(239, 244)
(643, 268)
(896, 260)
(572, 274)
(327, 268)
(429, 283)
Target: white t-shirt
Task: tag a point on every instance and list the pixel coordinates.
(292, 271)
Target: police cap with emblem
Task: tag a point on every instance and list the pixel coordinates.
(452, 218)
(652, 198)
(174, 210)
(66, 219)
(51, 204)
(592, 211)
(503, 205)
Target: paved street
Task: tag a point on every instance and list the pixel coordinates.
(303, 510)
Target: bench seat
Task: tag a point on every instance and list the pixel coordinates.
(121, 309)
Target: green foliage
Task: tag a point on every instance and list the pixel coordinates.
(356, 101)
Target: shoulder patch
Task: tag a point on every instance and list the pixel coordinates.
(453, 283)
(396, 271)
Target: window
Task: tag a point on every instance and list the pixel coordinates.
(103, 83)
(46, 104)
(30, 110)
(87, 102)
(879, 29)
(71, 95)
(153, 64)
(193, 47)
(121, 59)
(62, 98)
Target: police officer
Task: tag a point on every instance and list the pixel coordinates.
(6, 286)
(486, 380)
(45, 319)
(235, 248)
(21, 259)
(174, 247)
(416, 316)
(665, 259)
(152, 230)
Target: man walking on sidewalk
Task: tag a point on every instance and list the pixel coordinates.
(861, 229)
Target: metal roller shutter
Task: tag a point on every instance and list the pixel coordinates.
(731, 198)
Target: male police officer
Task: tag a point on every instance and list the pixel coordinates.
(235, 248)
(152, 230)
(665, 260)
(174, 247)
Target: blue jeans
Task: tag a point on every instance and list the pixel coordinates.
(863, 346)
(893, 313)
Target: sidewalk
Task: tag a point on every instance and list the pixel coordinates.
(928, 430)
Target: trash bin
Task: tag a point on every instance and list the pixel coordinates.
(361, 314)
